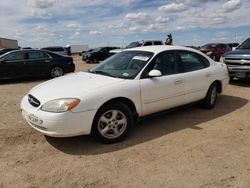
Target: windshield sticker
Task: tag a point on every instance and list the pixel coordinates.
(125, 74)
(141, 58)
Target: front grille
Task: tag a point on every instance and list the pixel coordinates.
(33, 101)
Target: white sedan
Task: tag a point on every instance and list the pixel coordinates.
(107, 100)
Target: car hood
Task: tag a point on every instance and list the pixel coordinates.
(74, 85)
(238, 53)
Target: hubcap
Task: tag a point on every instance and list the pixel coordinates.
(112, 124)
(213, 96)
(56, 72)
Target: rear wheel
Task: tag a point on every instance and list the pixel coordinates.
(112, 123)
(211, 97)
(56, 72)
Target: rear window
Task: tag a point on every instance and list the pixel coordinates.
(157, 43)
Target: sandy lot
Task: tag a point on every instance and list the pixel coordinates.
(191, 147)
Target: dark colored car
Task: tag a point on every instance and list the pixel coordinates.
(238, 61)
(233, 45)
(27, 63)
(98, 54)
(57, 49)
(215, 50)
(85, 53)
(5, 50)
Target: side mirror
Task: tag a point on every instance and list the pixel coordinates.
(154, 73)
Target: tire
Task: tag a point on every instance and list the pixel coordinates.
(211, 97)
(56, 72)
(112, 123)
(95, 61)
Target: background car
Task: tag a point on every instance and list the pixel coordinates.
(98, 54)
(57, 49)
(215, 50)
(238, 61)
(107, 100)
(85, 53)
(233, 45)
(26, 63)
(137, 44)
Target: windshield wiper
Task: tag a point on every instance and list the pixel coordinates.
(103, 73)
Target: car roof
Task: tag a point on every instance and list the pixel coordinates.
(160, 48)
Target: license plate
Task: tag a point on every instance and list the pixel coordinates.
(33, 119)
(240, 75)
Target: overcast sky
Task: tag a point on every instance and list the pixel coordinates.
(39, 23)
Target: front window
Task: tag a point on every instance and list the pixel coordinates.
(245, 44)
(125, 64)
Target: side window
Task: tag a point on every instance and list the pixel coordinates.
(37, 55)
(148, 44)
(191, 61)
(16, 56)
(165, 62)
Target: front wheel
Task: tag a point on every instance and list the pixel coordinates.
(112, 123)
(56, 72)
(211, 97)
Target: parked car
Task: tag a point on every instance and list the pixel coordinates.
(215, 50)
(5, 50)
(107, 100)
(57, 49)
(85, 53)
(233, 45)
(26, 63)
(98, 54)
(238, 61)
(137, 44)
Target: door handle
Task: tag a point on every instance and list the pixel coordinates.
(209, 75)
(178, 81)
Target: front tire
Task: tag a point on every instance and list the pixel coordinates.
(112, 123)
(211, 97)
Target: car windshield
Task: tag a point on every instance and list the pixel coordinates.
(134, 44)
(125, 64)
(245, 44)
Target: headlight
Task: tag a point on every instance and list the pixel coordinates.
(60, 105)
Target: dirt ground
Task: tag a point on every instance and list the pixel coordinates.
(191, 147)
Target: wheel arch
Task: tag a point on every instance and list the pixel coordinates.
(126, 101)
(218, 86)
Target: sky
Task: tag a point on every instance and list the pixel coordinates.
(40, 23)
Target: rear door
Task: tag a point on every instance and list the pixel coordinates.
(38, 63)
(196, 73)
(13, 65)
(166, 91)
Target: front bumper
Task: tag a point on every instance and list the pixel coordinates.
(240, 71)
(57, 124)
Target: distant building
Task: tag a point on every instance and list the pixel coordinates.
(8, 43)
